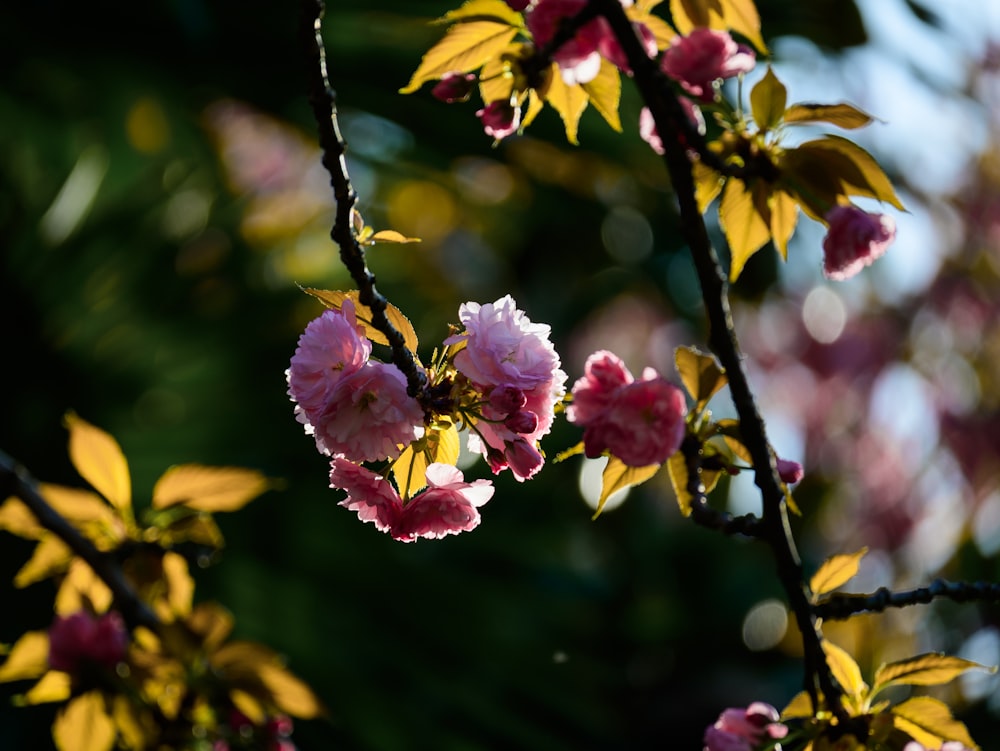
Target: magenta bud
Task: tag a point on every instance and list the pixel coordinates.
(454, 87)
(525, 421)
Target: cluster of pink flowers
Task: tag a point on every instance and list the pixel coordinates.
(512, 364)
(745, 729)
(353, 406)
(855, 239)
(82, 639)
(639, 422)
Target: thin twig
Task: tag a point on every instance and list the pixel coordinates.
(841, 606)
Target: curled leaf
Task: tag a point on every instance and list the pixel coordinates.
(836, 571)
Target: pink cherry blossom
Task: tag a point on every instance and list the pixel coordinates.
(649, 133)
(744, 729)
(704, 56)
(855, 239)
(332, 347)
(447, 506)
(368, 416)
(83, 639)
(790, 472)
(454, 87)
(500, 118)
(578, 59)
(610, 48)
(603, 374)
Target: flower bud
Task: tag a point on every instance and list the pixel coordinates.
(855, 240)
(454, 87)
(524, 422)
(83, 639)
(500, 118)
(790, 472)
(507, 399)
(523, 458)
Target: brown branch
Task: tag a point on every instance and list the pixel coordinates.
(704, 515)
(841, 606)
(658, 94)
(15, 480)
(323, 101)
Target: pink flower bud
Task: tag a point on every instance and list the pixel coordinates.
(744, 729)
(790, 472)
(523, 458)
(523, 422)
(500, 119)
(855, 240)
(507, 399)
(704, 56)
(454, 87)
(83, 639)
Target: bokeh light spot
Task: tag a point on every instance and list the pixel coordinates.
(422, 209)
(146, 126)
(764, 626)
(824, 315)
(627, 235)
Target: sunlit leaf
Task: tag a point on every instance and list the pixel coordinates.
(130, 722)
(200, 529)
(800, 707)
(81, 588)
(689, 14)
(767, 100)
(84, 725)
(447, 448)
(212, 623)
(334, 299)
(17, 519)
(700, 373)
(466, 47)
(81, 507)
(662, 32)
(100, 461)
(249, 705)
(678, 470)
(618, 475)
(210, 489)
(477, 9)
(738, 15)
(249, 665)
(535, 105)
(707, 184)
(730, 430)
(844, 161)
(569, 102)
(51, 556)
(567, 453)
(54, 686)
(929, 722)
(605, 93)
(410, 469)
(784, 217)
(842, 115)
(496, 81)
(290, 693)
(836, 571)
(742, 17)
(180, 585)
(745, 228)
(924, 670)
(845, 670)
(391, 236)
(28, 658)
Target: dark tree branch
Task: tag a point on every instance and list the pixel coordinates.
(658, 94)
(703, 514)
(841, 606)
(323, 101)
(15, 481)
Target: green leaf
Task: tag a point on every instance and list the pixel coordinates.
(929, 669)
(84, 725)
(466, 47)
(28, 658)
(100, 461)
(928, 721)
(568, 101)
(730, 430)
(846, 671)
(700, 373)
(678, 470)
(842, 115)
(836, 571)
(618, 475)
(210, 489)
(767, 100)
(743, 223)
(605, 93)
(335, 298)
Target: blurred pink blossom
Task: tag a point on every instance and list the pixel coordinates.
(500, 118)
(447, 506)
(744, 729)
(704, 56)
(790, 472)
(83, 639)
(604, 373)
(454, 87)
(855, 239)
(946, 746)
(649, 133)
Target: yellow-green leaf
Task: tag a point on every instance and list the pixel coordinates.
(496, 80)
(132, 722)
(567, 453)
(767, 100)
(730, 430)
(466, 47)
(258, 670)
(929, 669)
(535, 105)
(290, 693)
(662, 32)
(842, 115)
(836, 571)
(707, 184)
(845, 670)
(688, 14)
(799, 707)
(81, 507)
(854, 168)
(334, 299)
(678, 470)
(210, 489)
(17, 519)
(929, 722)
(212, 623)
(81, 588)
(784, 216)
(28, 658)
(568, 101)
(391, 236)
(100, 461)
(447, 448)
(742, 17)
(180, 585)
(745, 228)
(605, 93)
(618, 475)
(200, 529)
(53, 686)
(84, 725)
(410, 470)
(700, 373)
(496, 10)
(51, 556)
